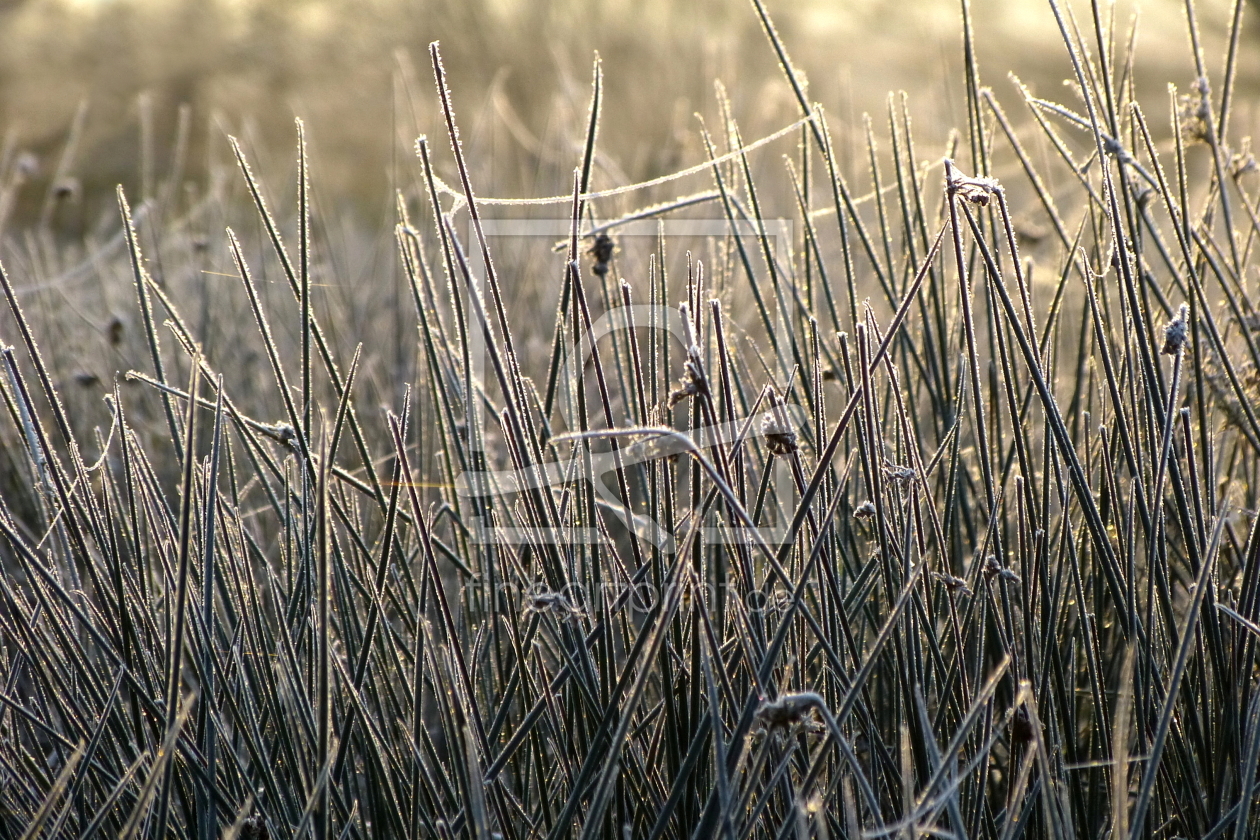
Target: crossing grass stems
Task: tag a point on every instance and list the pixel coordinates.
(1016, 591)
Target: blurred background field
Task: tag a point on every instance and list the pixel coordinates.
(357, 73)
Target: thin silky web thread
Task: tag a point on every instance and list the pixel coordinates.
(459, 200)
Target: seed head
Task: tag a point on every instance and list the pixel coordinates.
(1021, 726)
(902, 476)
(788, 710)
(602, 251)
(780, 437)
(692, 382)
(1243, 161)
(1194, 111)
(1176, 332)
(953, 584)
(67, 189)
(992, 569)
(975, 190)
(114, 330)
(254, 829)
(281, 433)
(546, 601)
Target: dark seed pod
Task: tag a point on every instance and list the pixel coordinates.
(1021, 726)
(1176, 332)
(602, 251)
(114, 330)
(67, 189)
(862, 746)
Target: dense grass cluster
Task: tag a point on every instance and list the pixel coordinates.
(879, 528)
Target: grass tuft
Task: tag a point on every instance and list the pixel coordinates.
(935, 515)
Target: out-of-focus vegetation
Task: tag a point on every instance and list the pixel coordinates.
(247, 67)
